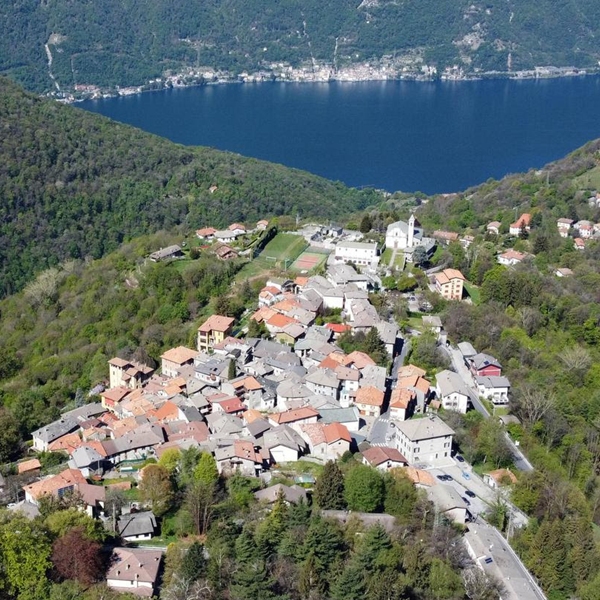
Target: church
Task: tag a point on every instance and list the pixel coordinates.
(401, 235)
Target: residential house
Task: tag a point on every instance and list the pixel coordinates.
(138, 526)
(349, 417)
(494, 388)
(128, 373)
(433, 323)
(29, 467)
(383, 458)
(523, 222)
(359, 253)
(512, 257)
(291, 494)
(174, 359)
(483, 365)
(226, 235)
(563, 272)
(452, 391)
(237, 228)
(134, 570)
(449, 283)
(494, 227)
(389, 335)
(369, 401)
(579, 243)
(225, 252)
(262, 225)
(240, 457)
(564, 226)
(402, 404)
(88, 460)
(426, 440)
(294, 418)
(57, 485)
(324, 382)
(284, 444)
(166, 253)
(499, 477)
(448, 503)
(213, 331)
(269, 295)
(44, 436)
(207, 233)
(445, 236)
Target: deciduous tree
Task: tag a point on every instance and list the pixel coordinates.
(156, 489)
(76, 557)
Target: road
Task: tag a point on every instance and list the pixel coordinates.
(520, 460)
(495, 556)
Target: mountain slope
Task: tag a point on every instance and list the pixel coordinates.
(73, 184)
(129, 42)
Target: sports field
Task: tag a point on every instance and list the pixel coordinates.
(308, 261)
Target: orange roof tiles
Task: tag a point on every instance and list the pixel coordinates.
(301, 281)
(401, 398)
(410, 370)
(180, 355)
(359, 359)
(263, 314)
(251, 415)
(289, 416)
(68, 442)
(29, 465)
(338, 327)
(377, 455)
(285, 305)
(419, 383)
(369, 395)
(216, 323)
(52, 485)
(336, 431)
(206, 231)
(448, 275)
(418, 476)
(280, 321)
(167, 412)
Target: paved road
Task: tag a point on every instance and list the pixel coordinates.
(493, 553)
(519, 459)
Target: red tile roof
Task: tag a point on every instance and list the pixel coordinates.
(216, 323)
(336, 431)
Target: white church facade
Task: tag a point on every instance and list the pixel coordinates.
(401, 235)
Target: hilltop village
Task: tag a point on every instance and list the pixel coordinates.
(276, 388)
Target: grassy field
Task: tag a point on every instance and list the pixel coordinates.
(279, 253)
(590, 180)
(386, 256)
(473, 292)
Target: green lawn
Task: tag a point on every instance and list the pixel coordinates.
(590, 179)
(386, 256)
(473, 292)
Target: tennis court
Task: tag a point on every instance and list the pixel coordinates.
(308, 261)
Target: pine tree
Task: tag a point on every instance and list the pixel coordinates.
(366, 224)
(351, 584)
(329, 489)
(375, 541)
(364, 489)
(193, 565)
(231, 371)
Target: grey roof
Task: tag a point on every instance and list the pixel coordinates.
(482, 360)
(142, 437)
(224, 424)
(339, 415)
(445, 497)
(283, 435)
(29, 509)
(433, 321)
(293, 493)
(56, 429)
(212, 367)
(449, 382)
(401, 225)
(373, 375)
(142, 523)
(84, 456)
(466, 349)
(388, 332)
(424, 429)
(258, 427)
(291, 387)
(165, 252)
(324, 377)
(85, 412)
(358, 245)
(388, 522)
(364, 314)
(493, 381)
(191, 413)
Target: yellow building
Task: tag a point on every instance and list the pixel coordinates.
(449, 283)
(213, 331)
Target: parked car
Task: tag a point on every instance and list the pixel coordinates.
(466, 501)
(459, 458)
(441, 477)
(470, 494)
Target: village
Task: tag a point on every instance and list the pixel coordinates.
(289, 394)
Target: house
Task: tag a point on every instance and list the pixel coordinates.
(563, 272)
(433, 323)
(58, 485)
(128, 373)
(449, 284)
(494, 388)
(359, 253)
(213, 331)
(369, 401)
(499, 477)
(134, 570)
(240, 457)
(44, 436)
(482, 365)
(262, 225)
(225, 252)
(402, 404)
(427, 440)
(324, 382)
(579, 244)
(291, 494)
(383, 458)
(445, 236)
(284, 444)
(165, 253)
(30, 467)
(137, 526)
(523, 222)
(564, 226)
(269, 295)
(299, 416)
(389, 334)
(349, 417)
(206, 233)
(88, 460)
(494, 227)
(226, 235)
(448, 503)
(173, 360)
(511, 257)
(452, 391)
(237, 228)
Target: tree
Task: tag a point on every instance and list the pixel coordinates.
(329, 488)
(480, 585)
(156, 489)
(206, 471)
(76, 557)
(170, 459)
(231, 370)
(257, 330)
(350, 584)
(533, 403)
(443, 581)
(375, 541)
(10, 437)
(363, 489)
(419, 256)
(400, 495)
(25, 552)
(200, 499)
(193, 565)
(366, 224)
(60, 523)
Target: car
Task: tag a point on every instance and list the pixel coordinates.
(459, 458)
(448, 478)
(470, 494)
(441, 477)
(466, 501)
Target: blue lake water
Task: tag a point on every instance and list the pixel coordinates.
(400, 135)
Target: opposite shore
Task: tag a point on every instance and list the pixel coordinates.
(372, 71)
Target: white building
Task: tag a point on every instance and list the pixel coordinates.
(452, 391)
(494, 388)
(359, 253)
(400, 235)
(134, 570)
(427, 440)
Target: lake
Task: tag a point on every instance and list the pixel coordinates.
(396, 135)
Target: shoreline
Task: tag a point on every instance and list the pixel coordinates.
(326, 74)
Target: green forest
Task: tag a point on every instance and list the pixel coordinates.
(75, 185)
(129, 43)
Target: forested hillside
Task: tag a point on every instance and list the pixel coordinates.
(73, 185)
(129, 43)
